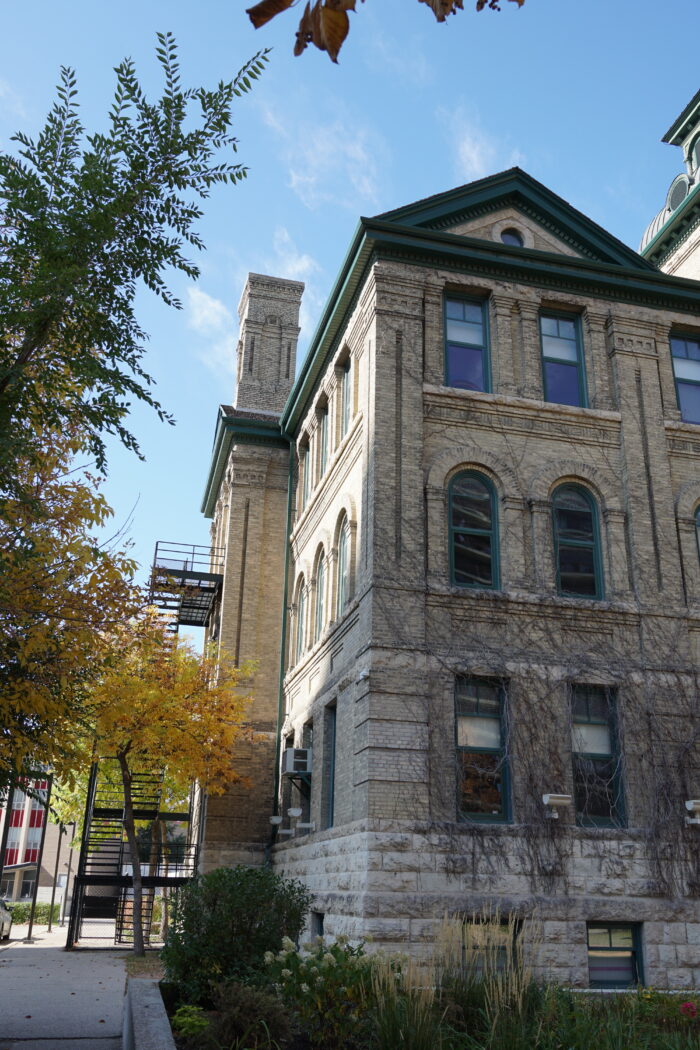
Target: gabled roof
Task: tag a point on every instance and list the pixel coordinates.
(515, 188)
(684, 122)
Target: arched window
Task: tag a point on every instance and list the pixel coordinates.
(343, 591)
(320, 605)
(473, 531)
(577, 543)
(300, 640)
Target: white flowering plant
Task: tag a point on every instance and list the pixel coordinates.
(328, 985)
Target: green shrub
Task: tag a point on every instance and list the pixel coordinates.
(189, 1021)
(223, 923)
(249, 1017)
(328, 986)
(22, 911)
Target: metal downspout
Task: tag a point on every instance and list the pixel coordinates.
(280, 693)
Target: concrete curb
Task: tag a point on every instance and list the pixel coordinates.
(146, 1024)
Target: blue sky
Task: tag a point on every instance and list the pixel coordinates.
(576, 92)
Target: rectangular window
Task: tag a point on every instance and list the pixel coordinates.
(685, 354)
(562, 364)
(305, 467)
(490, 946)
(481, 762)
(323, 443)
(345, 399)
(614, 955)
(328, 794)
(596, 759)
(466, 345)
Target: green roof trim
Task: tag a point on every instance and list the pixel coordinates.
(516, 188)
(684, 123)
(236, 429)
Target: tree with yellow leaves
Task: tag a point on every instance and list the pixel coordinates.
(325, 23)
(161, 707)
(61, 595)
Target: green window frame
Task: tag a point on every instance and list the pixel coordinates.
(577, 554)
(300, 637)
(467, 357)
(345, 398)
(614, 954)
(595, 753)
(473, 531)
(563, 372)
(323, 442)
(685, 356)
(483, 783)
(305, 466)
(320, 610)
(343, 567)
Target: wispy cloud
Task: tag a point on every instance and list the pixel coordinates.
(405, 60)
(338, 162)
(213, 321)
(476, 152)
(287, 261)
(11, 103)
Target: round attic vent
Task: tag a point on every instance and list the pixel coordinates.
(512, 236)
(677, 192)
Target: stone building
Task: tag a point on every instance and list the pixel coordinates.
(481, 651)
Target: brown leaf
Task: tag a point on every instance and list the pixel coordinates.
(305, 31)
(442, 8)
(334, 28)
(267, 9)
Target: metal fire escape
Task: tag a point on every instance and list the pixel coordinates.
(103, 893)
(185, 582)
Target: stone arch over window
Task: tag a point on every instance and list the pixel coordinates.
(604, 488)
(319, 589)
(468, 457)
(510, 511)
(577, 542)
(556, 472)
(473, 530)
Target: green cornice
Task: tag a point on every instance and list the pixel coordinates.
(683, 124)
(235, 429)
(529, 266)
(340, 300)
(683, 220)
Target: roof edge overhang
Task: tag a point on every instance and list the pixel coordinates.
(684, 122)
(515, 186)
(232, 428)
(681, 222)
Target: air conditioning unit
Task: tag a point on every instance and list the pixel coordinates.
(296, 760)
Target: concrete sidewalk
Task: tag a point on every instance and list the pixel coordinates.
(51, 999)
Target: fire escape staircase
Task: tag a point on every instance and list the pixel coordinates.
(185, 582)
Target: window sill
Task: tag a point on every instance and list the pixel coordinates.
(511, 401)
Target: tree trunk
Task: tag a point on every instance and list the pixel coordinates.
(163, 845)
(130, 828)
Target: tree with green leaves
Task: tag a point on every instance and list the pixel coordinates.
(84, 219)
